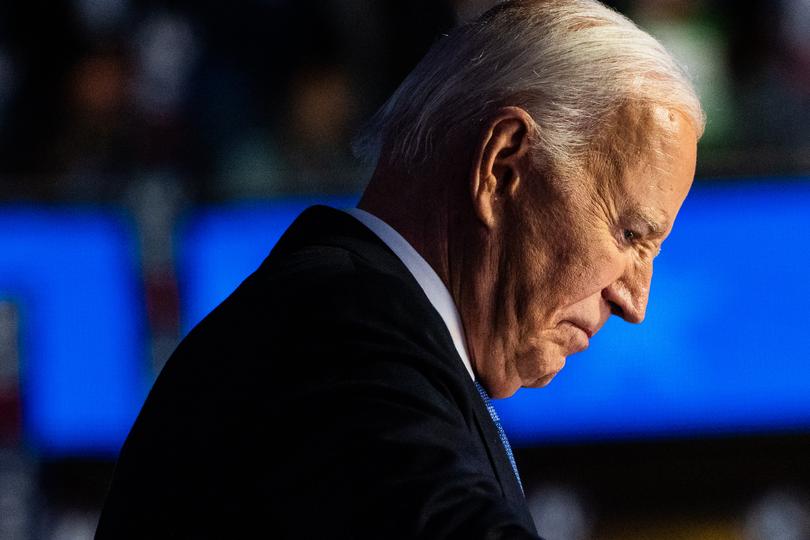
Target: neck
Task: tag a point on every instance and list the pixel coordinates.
(432, 212)
(417, 207)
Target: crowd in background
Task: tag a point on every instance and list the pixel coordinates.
(115, 99)
(156, 106)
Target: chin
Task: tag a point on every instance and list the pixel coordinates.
(541, 370)
(508, 389)
(544, 380)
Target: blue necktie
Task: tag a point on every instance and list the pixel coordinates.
(497, 421)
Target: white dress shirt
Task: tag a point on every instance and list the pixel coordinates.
(424, 274)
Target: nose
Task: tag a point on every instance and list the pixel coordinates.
(628, 295)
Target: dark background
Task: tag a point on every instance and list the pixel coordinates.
(155, 107)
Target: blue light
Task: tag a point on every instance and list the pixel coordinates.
(220, 246)
(71, 274)
(724, 347)
(725, 344)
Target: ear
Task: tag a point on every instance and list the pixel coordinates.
(500, 162)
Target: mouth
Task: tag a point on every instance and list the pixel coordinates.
(585, 329)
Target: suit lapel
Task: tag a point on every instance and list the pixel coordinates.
(349, 233)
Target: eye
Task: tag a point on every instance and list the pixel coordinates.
(630, 235)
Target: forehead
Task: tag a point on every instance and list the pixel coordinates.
(644, 162)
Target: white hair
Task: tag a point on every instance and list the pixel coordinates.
(568, 63)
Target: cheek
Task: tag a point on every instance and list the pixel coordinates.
(588, 271)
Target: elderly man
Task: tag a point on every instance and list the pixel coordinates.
(528, 171)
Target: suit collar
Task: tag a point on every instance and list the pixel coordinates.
(430, 282)
(322, 225)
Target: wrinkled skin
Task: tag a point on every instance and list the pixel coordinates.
(560, 255)
(538, 258)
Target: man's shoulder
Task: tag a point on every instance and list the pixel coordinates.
(324, 243)
(328, 283)
(329, 262)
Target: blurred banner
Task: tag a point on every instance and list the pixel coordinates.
(72, 328)
(723, 348)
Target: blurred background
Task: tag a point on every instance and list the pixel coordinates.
(151, 152)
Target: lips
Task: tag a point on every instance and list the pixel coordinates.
(589, 330)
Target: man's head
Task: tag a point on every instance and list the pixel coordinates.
(547, 149)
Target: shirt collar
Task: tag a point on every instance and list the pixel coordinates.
(424, 274)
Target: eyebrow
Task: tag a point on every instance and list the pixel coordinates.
(654, 227)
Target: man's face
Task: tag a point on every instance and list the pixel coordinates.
(585, 250)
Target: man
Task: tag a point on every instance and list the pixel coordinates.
(528, 171)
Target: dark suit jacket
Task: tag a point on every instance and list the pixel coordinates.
(323, 399)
